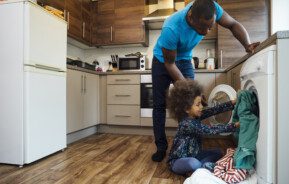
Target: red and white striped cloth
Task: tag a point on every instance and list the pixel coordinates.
(225, 169)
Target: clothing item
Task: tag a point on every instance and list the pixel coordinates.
(158, 156)
(203, 176)
(188, 139)
(189, 164)
(161, 82)
(209, 165)
(225, 169)
(246, 112)
(178, 35)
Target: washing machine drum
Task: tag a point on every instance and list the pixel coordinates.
(220, 94)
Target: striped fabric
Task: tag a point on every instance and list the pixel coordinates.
(225, 169)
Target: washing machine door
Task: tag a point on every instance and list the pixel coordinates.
(220, 94)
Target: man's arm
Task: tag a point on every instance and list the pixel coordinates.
(169, 57)
(238, 31)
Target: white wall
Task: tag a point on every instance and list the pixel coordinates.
(279, 15)
(75, 52)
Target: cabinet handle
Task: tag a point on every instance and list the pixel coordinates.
(65, 12)
(122, 79)
(233, 82)
(83, 29)
(84, 88)
(67, 20)
(221, 58)
(111, 33)
(81, 83)
(122, 95)
(122, 116)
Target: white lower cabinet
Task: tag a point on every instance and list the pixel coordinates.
(123, 99)
(82, 100)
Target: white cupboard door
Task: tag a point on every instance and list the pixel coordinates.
(44, 117)
(45, 38)
(74, 100)
(90, 100)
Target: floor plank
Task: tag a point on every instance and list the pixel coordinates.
(101, 158)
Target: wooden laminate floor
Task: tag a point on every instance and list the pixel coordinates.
(100, 158)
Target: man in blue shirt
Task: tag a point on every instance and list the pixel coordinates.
(181, 32)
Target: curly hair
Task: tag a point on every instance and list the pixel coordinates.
(181, 97)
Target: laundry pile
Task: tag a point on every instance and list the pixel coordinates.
(225, 169)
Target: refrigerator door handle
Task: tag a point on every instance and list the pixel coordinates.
(48, 68)
(81, 91)
(45, 67)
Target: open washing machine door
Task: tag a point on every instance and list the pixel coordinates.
(220, 94)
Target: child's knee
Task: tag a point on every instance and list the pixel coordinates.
(195, 164)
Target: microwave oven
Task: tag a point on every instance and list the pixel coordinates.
(131, 63)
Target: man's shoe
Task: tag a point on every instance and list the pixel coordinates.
(159, 156)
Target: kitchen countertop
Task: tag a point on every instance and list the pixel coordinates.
(270, 41)
(136, 72)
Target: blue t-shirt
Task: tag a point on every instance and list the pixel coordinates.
(178, 35)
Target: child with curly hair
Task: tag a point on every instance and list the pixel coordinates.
(185, 104)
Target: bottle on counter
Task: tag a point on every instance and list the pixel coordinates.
(210, 61)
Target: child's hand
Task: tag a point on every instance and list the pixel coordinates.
(237, 124)
(233, 101)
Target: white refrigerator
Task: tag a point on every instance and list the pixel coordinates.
(33, 46)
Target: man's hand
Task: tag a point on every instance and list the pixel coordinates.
(251, 47)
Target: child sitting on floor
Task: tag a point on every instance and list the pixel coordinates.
(185, 104)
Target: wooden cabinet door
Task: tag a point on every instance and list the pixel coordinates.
(74, 18)
(102, 22)
(236, 81)
(106, 7)
(90, 100)
(74, 100)
(128, 25)
(103, 31)
(254, 16)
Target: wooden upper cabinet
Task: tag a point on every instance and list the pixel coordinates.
(74, 18)
(86, 5)
(254, 16)
(128, 25)
(118, 22)
(106, 7)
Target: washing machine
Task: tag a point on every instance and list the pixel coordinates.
(258, 76)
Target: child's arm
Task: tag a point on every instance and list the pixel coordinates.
(195, 126)
(227, 106)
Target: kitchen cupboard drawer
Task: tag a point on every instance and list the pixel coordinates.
(123, 115)
(123, 79)
(123, 94)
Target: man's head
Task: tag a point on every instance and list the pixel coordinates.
(202, 16)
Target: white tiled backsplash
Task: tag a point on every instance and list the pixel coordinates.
(103, 54)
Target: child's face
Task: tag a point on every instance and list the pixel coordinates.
(196, 108)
